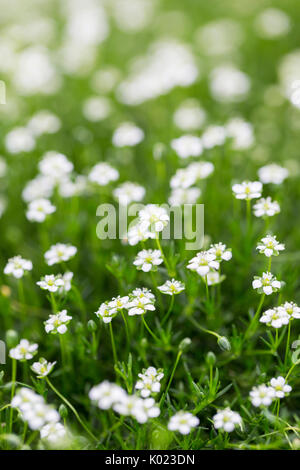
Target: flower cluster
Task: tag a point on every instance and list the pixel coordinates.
(152, 219)
(282, 315)
(264, 395)
(149, 381)
(17, 266)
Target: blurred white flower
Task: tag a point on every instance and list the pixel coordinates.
(220, 37)
(291, 309)
(53, 432)
(180, 196)
(272, 23)
(96, 108)
(280, 387)
(127, 135)
(183, 421)
(41, 187)
(106, 394)
(272, 173)
(187, 146)
(19, 139)
(241, 133)
(213, 136)
(51, 283)
(59, 253)
(129, 192)
(189, 116)
(265, 207)
(55, 165)
(247, 190)
(155, 217)
(44, 122)
(39, 209)
(229, 84)
(17, 266)
(24, 351)
(102, 174)
(262, 395)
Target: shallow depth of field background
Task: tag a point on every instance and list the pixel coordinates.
(104, 269)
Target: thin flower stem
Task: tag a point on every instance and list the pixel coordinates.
(207, 289)
(171, 378)
(113, 343)
(22, 299)
(253, 322)
(72, 409)
(287, 343)
(248, 202)
(53, 302)
(13, 387)
(169, 311)
(149, 330)
(126, 326)
(210, 332)
(170, 272)
(291, 369)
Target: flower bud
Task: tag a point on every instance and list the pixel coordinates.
(210, 359)
(63, 411)
(184, 344)
(91, 326)
(11, 338)
(224, 343)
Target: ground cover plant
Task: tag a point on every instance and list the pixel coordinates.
(136, 341)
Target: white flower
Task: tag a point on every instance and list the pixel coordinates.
(51, 283)
(228, 84)
(17, 266)
(241, 133)
(275, 317)
(106, 312)
(291, 309)
(149, 381)
(57, 323)
(183, 421)
(247, 190)
(55, 165)
(266, 284)
(148, 260)
(127, 135)
(66, 278)
(53, 432)
(19, 140)
(172, 287)
(72, 186)
(103, 173)
(155, 216)
(280, 387)
(201, 169)
(262, 395)
(213, 278)
(180, 196)
(39, 414)
(41, 187)
(59, 252)
(127, 405)
(39, 209)
(44, 122)
(129, 192)
(139, 232)
(220, 251)
(187, 146)
(42, 368)
(24, 398)
(265, 207)
(272, 23)
(139, 304)
(203, 262)
(118, 302)
(189, 116)
(272, 173)
(227, 419)
(213, 136)
(183, 178)
(144, 292)
(96, 108)
(145, 409)
(106, 394)
(269, 246)
(24, 350)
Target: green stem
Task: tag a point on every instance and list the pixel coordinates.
(72, 409)
(287, 343)
(13, 387)
(126, 327)
(113, 343)
(253, 322)
(169, 311)
(170, 272)
(171, 378)
(149, 330)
